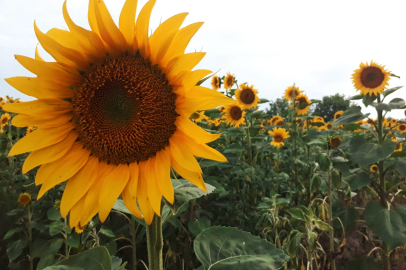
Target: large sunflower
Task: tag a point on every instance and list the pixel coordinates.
(301, 101)
(291, 92)
(279, 134)
(113, 112)
(234, 115)
(370, 78)
(247, 96)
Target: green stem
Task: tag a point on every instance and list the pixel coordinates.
(134, 243)
(330, 216)
(155, 244)
(30, 236)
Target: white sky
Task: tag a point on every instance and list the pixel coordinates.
(271, 44)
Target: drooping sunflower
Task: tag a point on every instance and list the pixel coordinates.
(402, 128)
(247, 96)
(370, 78)
(373, 168)
(24, 198)
(302, 100)
(113, 112)
(334, 142)
(215, 82)
(279, 134)
(292, 92)
(275, 119)
(234, 115)
(228, 81)
(338, 114)
(5, 117)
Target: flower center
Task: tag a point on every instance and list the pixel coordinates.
(124, 110)
(402, 127)
(247, 96)
(372, 77)
(278, 138)
(236, 113)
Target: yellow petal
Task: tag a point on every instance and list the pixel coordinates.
(184, 62)
(163, 36)
(130, 191)
(50, 153)
(40, 88)
(51, 70)
(154, 193)
(142, 195)
(58, 171)
(109, 31)
(127, 22)
(60, 53)
(40, 108)
(182, 154)
(194, 131)
(194, 77)
(22, 120)
(78, 185)
(37, 56)
(65, 38)
(180, 42)
(113, 186)
(41, 138)
(163, 177)
(92, 17)
(76, 212)
(193, 177)
(142, 28)
(200, 150)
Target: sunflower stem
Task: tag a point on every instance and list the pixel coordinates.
(330, 216)
(155, 244)
(134, 243)
(30, 236)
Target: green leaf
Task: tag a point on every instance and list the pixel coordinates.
(222, 248)
(58, 226)
(370, 210)
(368, 99)
(54, 214)
(74, 240)
(381, 106)
(369, 153)
(197, 226)
(322, 225)
(336, 178)
(16, 248)
(15, 211)
(263, 100)
(11, 232)
(352, 127)
(357, 97)
(358, 181)
(315, 183)
(352, 115)
(323, 161)
(294, 243)
(46, 261)
(63, 267)
(106, 231)
(41, 247)
(297, 213)
(115, 263)
(184, 192)
(390, 91)
(390, 228)
(398, 154)
(365, 263)
(111, 247)
(97, 258)
(347, 217)
(397, 103)
(401, 166)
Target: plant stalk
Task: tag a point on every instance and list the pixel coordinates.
(30, 236)
(134, 243)
(330, 220)
(155, 244)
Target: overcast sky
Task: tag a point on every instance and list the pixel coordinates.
(271, 44)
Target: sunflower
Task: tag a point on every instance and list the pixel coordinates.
(394, 139)
(1, 99)
(215, 122)
(334, 142)
(399, 147)
(80, 229)
(292, 92)
(198, 117)
(373, 168)
(24, 199)
(234, 115)
(275, 119)
(279, 134)
(322, 128)
(247, 96)
(215, 82)
(229, 81)
(329, 125)
(113, 112)
(338, 114)
(402, 128)
(5, 117)
(370, 78)
(393, 121)
(318, 119)
(301, 100)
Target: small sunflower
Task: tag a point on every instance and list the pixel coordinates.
(370, 78)
(113, 112)
(399, 147)
(275, 119)
(402, 128)
(215, 122)
(329, 125)
(198, 117)
(394, 139)
(24, 199)
(301, 100)
(279, 134)
(373, 168)
(393, 121)
(228, 81)
(234, 115)
(318, 119)
(334, 142)
(338, 114)
(292, 92)
(322, 127)
(80, 229)
(5, 117)
(247, 96)
(215, 82)
(369, 121)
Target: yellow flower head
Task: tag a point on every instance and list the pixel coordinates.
(275, 119)
(369, 121)
(302, 100)
(399, 147)
(292, 92)
(322, 127)
(80, 229)
(215, 122)
(329, 125)
(234, 115)
(115, 108)
(338, 114)
(198, 117)
(247, 96)
(402, 128)
(394, 139)
(374, 168)
(229, 81)
(318, 119)
(370, 78)
(215, 82)
(393, 121)
(5, 117)
(279, 134)
(334, 142)
(24, 199)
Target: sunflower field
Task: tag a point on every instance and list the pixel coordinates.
(125, 160)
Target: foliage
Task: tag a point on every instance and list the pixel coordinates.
(329, 105)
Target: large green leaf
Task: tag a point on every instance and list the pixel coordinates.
(357, 181)
(347, 217)
(54, 214)
(390, 228)
(42, 248)
(184, 192)
(97, 258)
(390, 91)
(369, 153)
(370, 210)
(197, 226)
(224, 248)
(16, 248)
(353, 114)
(401, 166)
(12, 232)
